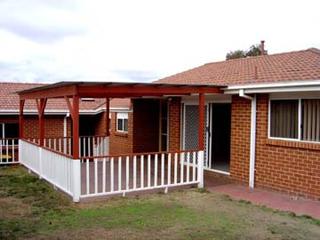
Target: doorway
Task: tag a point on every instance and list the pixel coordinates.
(220, 124)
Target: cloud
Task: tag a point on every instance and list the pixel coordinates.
(141, 40)
(40, 22)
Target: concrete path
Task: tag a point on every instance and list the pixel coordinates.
(270, 199)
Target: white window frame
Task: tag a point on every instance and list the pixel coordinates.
(122, 116)
(299, 139)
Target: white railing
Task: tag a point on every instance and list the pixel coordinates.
(89, 146)
(129, 173)
(9, 151)
(59, 144)
(29, 155)
(58, 169)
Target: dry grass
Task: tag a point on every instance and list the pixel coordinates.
(30, 208)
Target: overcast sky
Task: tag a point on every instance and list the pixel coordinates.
(142, 40)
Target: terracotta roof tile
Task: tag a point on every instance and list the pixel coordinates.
(291, 66)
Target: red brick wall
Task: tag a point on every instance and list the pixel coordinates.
(240, 138)
(286, 166)
(174, 124)
(120, 143)
(146, 125)
(53, 126)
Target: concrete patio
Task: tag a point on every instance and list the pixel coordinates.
(268, 198)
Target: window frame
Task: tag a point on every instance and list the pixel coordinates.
(299, 99)
(123, 125)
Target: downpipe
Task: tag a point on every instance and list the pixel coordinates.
(253, 126)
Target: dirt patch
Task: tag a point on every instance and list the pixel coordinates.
(11, 208)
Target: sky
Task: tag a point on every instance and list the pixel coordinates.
(142, 40)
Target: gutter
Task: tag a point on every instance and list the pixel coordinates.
(253, 127)
(296, 86)
(62, 112)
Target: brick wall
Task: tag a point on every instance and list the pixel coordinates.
(53, 126)
(121, 143)
(174, 124)
(146, 125)
(286, 166)
(240, 138)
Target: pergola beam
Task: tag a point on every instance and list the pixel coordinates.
(115, 90)
(58, 92)
(127, 91)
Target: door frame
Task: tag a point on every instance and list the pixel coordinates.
(211, 139)
(208, 125)
(161, 103)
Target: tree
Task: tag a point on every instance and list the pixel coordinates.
(235, 54)
(254, 50)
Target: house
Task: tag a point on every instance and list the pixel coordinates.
(264, 130)
(58, 123)
(255, 119)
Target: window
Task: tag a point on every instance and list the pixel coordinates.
(122, 122)
(310, 120)
(295, 119)
(9, 130)
(284, 118)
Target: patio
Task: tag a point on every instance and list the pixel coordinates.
(82, 166)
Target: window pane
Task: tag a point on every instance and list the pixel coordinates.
(1, 130)
(125, 123)
(284, 118)
(311, 120)
(11, 130)
(119, 125)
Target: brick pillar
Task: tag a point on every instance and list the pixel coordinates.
(174, 124)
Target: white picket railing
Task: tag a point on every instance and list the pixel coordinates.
(129, 173)
(59, 144)
(88, 145)
(107, 175)
(60, 170)
(9, 151)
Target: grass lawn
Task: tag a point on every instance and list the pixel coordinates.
(30, 208)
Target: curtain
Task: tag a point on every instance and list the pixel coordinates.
(311, 120)
(284, 118)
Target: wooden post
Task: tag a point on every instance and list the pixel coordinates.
(21, 119)
(201, 121)
(107, 116)
(75, 126)
(41, 108)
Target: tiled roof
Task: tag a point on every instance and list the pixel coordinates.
(291, 66)
(9, 100)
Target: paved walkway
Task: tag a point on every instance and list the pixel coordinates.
(270, 199)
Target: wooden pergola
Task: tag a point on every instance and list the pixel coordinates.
(73, 91)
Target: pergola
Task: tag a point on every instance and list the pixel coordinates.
(73, 91)
(102, 174)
